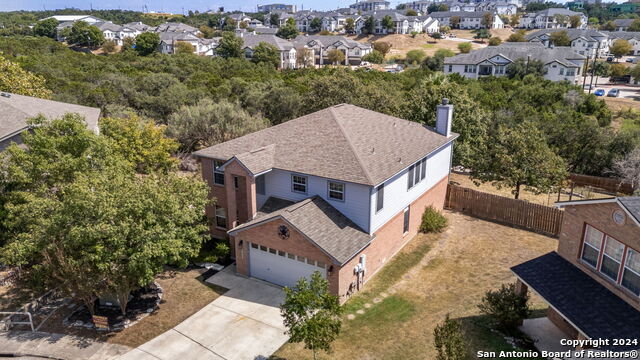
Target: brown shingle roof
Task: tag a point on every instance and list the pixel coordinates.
(321, 223)
(343, 142)
(15, 110)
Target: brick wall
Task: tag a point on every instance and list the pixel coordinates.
(267, 235)
(390, 238)
(600, 217)
(216, 192)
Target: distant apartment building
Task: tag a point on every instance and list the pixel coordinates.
(583, 41)
(551, 18)
(560, 63)
(277, 7)
(466, 20)
(370, 5)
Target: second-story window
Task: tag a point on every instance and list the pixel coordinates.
(336, 191)
(380, 197)
(417, 172)
(592, 246)
(218, 174)
(299, 183)
(260, 185)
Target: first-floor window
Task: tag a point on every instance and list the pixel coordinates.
(611, 258)
(405, 225)
(336, 191)
(221, 217)
(631, 273)
(592, 245)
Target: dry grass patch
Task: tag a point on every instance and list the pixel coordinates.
(401, 44)
(468, 259)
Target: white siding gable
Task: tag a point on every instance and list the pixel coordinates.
(396, 195)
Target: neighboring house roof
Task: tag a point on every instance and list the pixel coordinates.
(266, 30)
(252, 40)
(63, 18)
(558, 11)
(589, 306)
(103, 26)
(514, 51)
(573, 34)
(631, 204)
(321, 223)
(175, 27)
(343, 142)
(15, 110)
(623, 22)
(461, 14)
(328, 40)
(627, 35)
(138, 26)
(170, 36)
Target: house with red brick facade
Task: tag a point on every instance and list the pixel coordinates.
(592, 282)
(339, 191)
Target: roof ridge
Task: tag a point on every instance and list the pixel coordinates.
(353, 150)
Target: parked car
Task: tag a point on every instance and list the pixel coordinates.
(613, 92)
(599, 92)
(610, 59)
(629, 60)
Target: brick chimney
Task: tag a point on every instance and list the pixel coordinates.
(444, 117)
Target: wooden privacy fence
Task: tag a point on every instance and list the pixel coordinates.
(518, 213)
(611, 185)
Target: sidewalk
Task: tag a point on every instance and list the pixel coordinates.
(57, 346)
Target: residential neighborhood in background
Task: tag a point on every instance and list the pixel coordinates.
(366, 179)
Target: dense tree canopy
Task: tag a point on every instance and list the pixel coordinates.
(147, 43)
(84, 34)
(46, 28)
(16, 80)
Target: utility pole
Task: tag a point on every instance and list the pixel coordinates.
(585, 73)
(593, 70)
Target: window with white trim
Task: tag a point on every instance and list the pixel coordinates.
(592, 245)
(299, 184)
(218, 175)
(417, 172)
(631, 272)
(380, 197)
(611, 258)
(221, 217)
(336, 191)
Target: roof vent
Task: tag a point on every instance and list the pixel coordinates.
(7, 95)
(399, 159)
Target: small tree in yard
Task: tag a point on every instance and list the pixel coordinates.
(374, 57)
(620, 48)
(382, 46)
(560, 38)
(433, 221)
(448, 341)
(183, 47)
(506, 307)
(464, 47)
(628, 168)
(335, 56)
(109, 46)
(482, 34)
(415, 56)
(519, 156)
(266, 53)
(230, 46)
(311, 314)
(387, 23)
(495, 41)
(147, 43)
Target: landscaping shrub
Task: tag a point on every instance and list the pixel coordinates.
(212, 252)
(448, 340)
(495, 41)
(374, 57)
(433, 221)
(464, 47)
(505, 307)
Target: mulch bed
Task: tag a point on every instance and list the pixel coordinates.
(143, 302)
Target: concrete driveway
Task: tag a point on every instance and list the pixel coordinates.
(243, 323)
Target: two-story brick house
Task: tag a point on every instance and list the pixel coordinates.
(339, 191)
(592, 282)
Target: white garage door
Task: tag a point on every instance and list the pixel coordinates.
(280, 267)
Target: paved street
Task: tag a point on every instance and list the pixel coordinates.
(244, 323)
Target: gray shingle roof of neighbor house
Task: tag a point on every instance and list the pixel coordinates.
(321, 223)
(558, 11)
(573, 34)
(15, 110)
(588, 305)
(627, 35)
(326, 40)
(343, 142)
(252, 40)
(175, 27)
(623, 22)
(514, 51)
(461, 14)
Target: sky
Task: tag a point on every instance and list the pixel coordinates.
(167, 5)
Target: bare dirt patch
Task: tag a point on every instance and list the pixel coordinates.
(471, 257)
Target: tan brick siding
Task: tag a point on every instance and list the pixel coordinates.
(600, 217)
